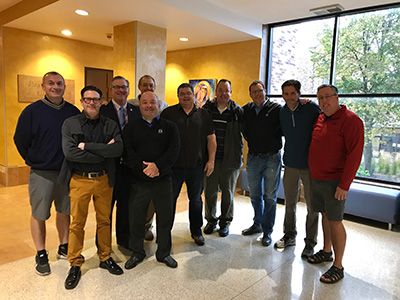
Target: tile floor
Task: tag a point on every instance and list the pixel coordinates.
(234, 267)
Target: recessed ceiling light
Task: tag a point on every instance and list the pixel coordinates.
(66, 32)
(183, 39)
(81, 12)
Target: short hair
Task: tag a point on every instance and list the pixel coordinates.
(255, 82)
(146, 76)
(120, 77)
(91, 88)
(334, 88)
(294, 83)
(185, 85)
(224, 80)
(53, 73)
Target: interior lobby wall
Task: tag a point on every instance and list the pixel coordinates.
(238, 62)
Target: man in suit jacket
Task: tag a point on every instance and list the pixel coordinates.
(119, 110)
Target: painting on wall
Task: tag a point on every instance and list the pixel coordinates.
(204, 89)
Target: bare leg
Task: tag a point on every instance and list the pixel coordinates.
(327, 234)
(338, 233)
(38, 231)
(62, 223)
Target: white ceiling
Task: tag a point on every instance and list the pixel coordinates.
(204, 22)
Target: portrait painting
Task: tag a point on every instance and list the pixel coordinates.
(204, 89)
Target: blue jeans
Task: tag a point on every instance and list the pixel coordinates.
(194, 179)
(264, 177)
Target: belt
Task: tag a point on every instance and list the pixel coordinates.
(263, 155)
(91, 174)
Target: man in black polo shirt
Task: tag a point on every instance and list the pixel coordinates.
(264, 138)
(90, 143)
(227, 117)
(196, 157)
(152, 147)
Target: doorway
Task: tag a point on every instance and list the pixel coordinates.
(100, 78)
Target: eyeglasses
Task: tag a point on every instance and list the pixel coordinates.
(326, 97)
(120, 87)
(88, 100)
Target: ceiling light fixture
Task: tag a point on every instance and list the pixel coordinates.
(329, 9)
(81, 12)
(183, 39)
(66, 32)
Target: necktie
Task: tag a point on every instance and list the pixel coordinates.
(121, 117)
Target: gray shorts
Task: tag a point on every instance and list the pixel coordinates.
(323, 199)
(43, 190)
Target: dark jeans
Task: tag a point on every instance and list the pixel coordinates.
(194, 178)
(264, 176)
(142, 192)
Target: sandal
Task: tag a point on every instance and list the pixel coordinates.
(333, 275)
(320, 257)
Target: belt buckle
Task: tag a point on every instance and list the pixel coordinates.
(93, 174)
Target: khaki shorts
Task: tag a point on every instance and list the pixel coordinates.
(43, 190)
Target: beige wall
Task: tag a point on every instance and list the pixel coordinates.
(238, 62)
(31, 53)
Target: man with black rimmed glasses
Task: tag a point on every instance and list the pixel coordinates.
(90, 143)
(122, 112)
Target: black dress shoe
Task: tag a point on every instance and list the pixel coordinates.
(209, 228)
(252, 230)
(266, 239)
(111, 266)
(223, 231)
(199, 240)
(169, 261)
(132, 262)
(73, 277)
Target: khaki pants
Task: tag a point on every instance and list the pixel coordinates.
(81, 191)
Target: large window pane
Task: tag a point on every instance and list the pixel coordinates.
(291, 56)
(368, 53)
(381, 117)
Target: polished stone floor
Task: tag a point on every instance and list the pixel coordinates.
(234, 267)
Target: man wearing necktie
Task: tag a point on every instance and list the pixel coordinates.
(119, 110)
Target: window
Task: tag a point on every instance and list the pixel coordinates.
(359, 52)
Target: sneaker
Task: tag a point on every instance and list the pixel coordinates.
(62, 251)
(307, 251)
(285, 242)
(42, 263)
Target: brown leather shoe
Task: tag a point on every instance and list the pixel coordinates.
(148, 235)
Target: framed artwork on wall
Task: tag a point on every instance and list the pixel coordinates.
(204, 89)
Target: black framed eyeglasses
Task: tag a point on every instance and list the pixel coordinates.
(88, 100)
